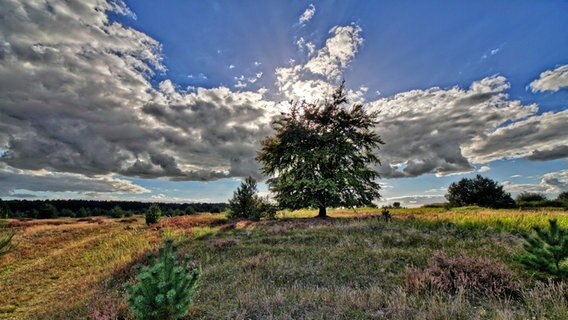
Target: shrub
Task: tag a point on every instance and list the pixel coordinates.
(547, 251)
(396, 205)
(165, 288)
(189, 210)
(116, 212)
(153, 214)
(82, 213)
(479, 191)
(530, 196)
(477, 276)
(47, 211)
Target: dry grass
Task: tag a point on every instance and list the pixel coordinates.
(352, 266)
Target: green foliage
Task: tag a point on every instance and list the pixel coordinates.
(189, 210)
(479, 191)
(563, 196)
(6, 236)
(244, 203)
(266, 208)
(153, 214)
(547, 250)
(116, 212)
(82, 213)
(322, 155)
(47, 211)
(164, 289)
(4, 210)
(530, 196)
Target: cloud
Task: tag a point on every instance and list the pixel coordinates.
(551, 80)
(539, 137)
(414, 200)
(13, 181)
(319, 76)
(551, 183)
(437, 130)
(483, 169)
(307, 15)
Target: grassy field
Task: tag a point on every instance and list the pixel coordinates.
(351, 266)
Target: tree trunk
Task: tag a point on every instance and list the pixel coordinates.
(322, 213)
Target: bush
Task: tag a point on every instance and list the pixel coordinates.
(116, 212)
(82, 213)
(479, 191)
(189, 210)
(163, 290)
(47, 211)
(396, 205)
(153, 214)
(477, 276)
(547, 251)
(530, 196)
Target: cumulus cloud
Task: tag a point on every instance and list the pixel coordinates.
(319, 76)
(551, 80)
(414, 200)
(307, 15)
(551, 183)
(427, 130)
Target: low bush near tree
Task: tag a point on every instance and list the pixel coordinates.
(164, 289)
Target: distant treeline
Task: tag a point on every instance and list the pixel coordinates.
(82, 208)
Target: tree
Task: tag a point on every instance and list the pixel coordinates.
(4, 210)
(479, 191)
(47, 211)
(322, 154)
(153, 214)
(530, 197)
(164, 289)
(116, 212)
(563, 196)
(245, 202)
(547, 250)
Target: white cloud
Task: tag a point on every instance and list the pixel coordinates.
(551, 80)
(307, 15)
(550, 183)
(483, 169)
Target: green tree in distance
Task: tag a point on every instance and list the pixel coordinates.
(479, 191)
(323, 155)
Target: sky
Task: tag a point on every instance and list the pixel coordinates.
(168, 100)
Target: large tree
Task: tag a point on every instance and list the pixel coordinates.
(479, 191)
(323, 155)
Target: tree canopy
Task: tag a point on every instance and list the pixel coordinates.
(479, 191)
(323, 155)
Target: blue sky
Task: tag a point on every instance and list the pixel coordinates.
(219, 57)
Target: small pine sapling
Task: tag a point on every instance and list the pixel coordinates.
(165, 288)
(547, 251)
(153, 214)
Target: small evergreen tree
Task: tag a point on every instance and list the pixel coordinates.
(244, 203)
(547, 250)
(164, 289)
(153, 214)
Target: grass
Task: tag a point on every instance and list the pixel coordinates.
(351, 266)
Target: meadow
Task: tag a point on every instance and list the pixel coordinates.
(353, 265)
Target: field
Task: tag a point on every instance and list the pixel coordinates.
(350, 266)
